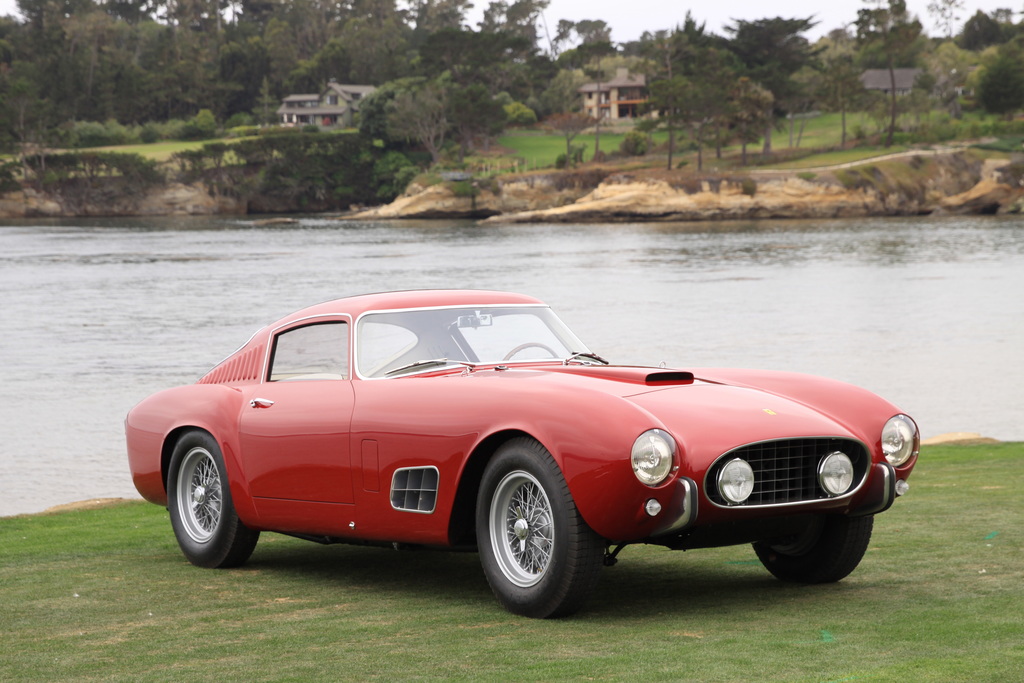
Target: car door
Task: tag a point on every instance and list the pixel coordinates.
(294, 428)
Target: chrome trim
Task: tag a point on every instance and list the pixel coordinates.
(689, 512)
(888, 491)
(744, 506)
(302, 322)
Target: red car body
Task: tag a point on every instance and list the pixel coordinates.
(396, 454)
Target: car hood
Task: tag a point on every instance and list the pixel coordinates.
(712, 411)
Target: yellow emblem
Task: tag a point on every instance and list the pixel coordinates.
(769, 411)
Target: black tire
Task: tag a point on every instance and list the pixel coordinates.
(208, 530)
(540, 558)
(826, 552)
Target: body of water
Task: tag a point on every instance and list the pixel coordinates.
(97, 314)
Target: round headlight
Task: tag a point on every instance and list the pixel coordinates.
(653, 456)
(899, 440)
(835, 473)
(736, 481)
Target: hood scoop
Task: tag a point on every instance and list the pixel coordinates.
(669, 377)
(627, 373)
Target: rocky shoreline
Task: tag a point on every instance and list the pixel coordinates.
(916, 183)
(953, 183)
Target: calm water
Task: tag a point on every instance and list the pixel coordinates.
(98, 314)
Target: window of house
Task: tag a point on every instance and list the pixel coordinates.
(311, 352)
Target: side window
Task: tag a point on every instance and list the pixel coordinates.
(318, 351)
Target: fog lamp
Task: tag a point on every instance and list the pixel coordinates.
(902, 487)
(652, 507)
(736, 481)
(835, 473)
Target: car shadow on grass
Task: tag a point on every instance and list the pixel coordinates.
(646, 581)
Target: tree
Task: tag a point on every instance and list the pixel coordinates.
(946, 14)
(668, 96)
(772, 50)
(473, 112)
(569, 124)
(1001, 84)
(891, 35)
(421, 114)
(840, 88)
(979, 32)
(751, 112)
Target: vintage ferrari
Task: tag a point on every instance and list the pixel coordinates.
(466, 419)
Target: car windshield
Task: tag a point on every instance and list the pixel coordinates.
(396, 342)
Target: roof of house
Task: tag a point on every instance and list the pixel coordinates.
(622, 79)
(879, 79)
(348, 97)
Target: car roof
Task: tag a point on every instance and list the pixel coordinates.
(356, 306)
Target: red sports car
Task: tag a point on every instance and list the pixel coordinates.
(474, 418)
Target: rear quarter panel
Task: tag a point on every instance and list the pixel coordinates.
(152, 425)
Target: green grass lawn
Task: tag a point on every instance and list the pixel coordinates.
(104, 594)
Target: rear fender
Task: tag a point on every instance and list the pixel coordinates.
(154, 427)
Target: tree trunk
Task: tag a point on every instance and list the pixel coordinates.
(892, 110)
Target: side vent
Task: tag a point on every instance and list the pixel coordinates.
(244, 367)
(414, 489)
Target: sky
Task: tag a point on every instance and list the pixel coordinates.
(630, 18)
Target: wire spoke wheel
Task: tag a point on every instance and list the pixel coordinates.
(540, 558)
(522, 528)
(199, 494)
(203, 516)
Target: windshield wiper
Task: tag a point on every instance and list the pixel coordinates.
(421, 364)
(584, 357)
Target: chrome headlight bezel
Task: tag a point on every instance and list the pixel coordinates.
(653, 457)
(900, 440)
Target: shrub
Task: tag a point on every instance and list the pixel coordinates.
(392, 173)
(518, 114)
(150, 133)
(634, 144)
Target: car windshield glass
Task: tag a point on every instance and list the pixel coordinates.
(391, 340)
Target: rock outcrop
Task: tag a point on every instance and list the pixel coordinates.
(913, 185)
(174, 199)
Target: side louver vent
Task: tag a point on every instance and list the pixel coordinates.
(244, 367)
(414, 489)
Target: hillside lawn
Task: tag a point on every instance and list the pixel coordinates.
(539, 148)
(104, 594)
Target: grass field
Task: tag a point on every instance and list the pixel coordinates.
(105, 595)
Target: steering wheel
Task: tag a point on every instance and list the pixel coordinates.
(529, 345)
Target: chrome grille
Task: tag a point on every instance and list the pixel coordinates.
(786, 471)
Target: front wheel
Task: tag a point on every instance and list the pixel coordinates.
(208, 530)
(827, 551)
(540, 558)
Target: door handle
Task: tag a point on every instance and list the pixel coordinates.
(261, 403)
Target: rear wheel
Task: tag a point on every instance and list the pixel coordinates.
(825, 552)
(208, 530)
(540, 557)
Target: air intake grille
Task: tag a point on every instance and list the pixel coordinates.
(414, 489)
(786, 471)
